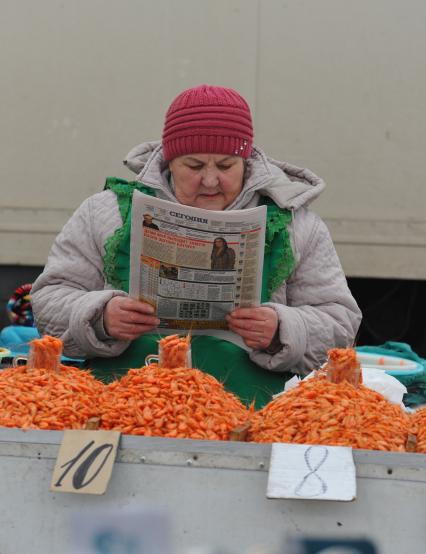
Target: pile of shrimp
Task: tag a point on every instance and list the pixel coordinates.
(172, 400)
(47, 395)
(418, 423)
(340, 414)
(177, 403)
(181, 402)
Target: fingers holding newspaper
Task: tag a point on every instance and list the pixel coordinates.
(126, 318)
(256, 326)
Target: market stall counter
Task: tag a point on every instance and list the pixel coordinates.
(215, 492)
(172, 438)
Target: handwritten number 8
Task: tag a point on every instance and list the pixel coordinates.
(83, 468)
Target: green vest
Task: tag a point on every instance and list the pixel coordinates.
(229, 363)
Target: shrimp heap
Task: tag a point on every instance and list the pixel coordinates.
(418, 421)
(318, 411)
(175, 402)
(46, 394)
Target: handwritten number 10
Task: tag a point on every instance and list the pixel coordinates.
(81, 471)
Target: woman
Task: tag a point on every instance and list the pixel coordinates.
(206, 159)
(222, 256)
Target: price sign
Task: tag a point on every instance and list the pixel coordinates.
(314, 472)
(85, 461)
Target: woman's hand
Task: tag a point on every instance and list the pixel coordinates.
(256, 326)
(126, 318)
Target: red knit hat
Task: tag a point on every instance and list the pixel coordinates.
(208, 120)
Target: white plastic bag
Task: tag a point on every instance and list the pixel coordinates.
(385, 384)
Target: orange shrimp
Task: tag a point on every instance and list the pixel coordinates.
(320, 412)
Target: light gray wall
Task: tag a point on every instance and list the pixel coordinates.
(336, 85)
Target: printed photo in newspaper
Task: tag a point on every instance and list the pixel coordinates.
(193, 265)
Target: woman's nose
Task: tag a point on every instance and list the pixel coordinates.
(210, 178)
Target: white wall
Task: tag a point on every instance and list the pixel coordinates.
(336, 85)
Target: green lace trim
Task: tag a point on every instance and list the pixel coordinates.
(279, 260)
(117, 246)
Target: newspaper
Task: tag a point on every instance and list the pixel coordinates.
(193, 265)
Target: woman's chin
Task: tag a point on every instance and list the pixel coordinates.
(213, 202)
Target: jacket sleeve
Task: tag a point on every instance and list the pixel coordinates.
(315, 308)
(69, 297)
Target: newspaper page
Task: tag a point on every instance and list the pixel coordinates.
(194, 265)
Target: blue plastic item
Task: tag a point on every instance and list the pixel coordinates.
(397, 359)
(392, 365)
(17, 339)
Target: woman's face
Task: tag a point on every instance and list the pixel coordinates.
(209, 181)
(218, 243)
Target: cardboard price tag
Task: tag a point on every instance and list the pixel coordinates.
(311, 472)
(85, 461)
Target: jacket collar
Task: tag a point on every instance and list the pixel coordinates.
(289, 186)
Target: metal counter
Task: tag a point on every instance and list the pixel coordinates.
(215, 492)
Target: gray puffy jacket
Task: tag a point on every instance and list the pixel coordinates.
(315, 307)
